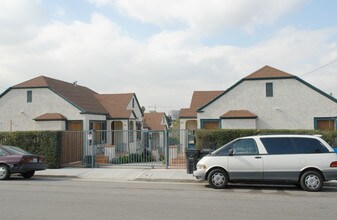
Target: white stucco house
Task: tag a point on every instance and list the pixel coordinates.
(44, 103)
(269, 99)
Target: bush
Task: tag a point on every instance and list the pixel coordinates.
(213, 139)
(46, 143)
(134, 158)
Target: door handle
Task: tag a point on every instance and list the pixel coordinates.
(258, 157)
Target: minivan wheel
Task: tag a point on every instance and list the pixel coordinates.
(4, 172)
(218, 179)
(311, 181)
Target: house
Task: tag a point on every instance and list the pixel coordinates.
(188, 116)
(156, 121)
(44, 103)
(269, 99)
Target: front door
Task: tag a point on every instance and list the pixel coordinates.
(245, 162)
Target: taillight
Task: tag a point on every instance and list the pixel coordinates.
(333, 164)
(26, 159)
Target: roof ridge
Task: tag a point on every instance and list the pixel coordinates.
(268, 72)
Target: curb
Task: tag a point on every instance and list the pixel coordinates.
(166, 180)
(57, 176)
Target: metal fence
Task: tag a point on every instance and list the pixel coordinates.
(127, 148)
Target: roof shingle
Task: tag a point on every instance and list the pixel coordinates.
(116, 104)
(268, 72)
(199, 99)
(153, 121)
(232, 114)
(51, 117)
(80, 96)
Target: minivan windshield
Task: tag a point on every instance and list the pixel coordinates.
(245, 146)
(223, 150)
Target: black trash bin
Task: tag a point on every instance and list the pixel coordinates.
(192, 157)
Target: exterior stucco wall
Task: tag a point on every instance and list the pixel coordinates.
(18, 115)
(293, 105)
(51, 125)
(137, 111)
(238, 123)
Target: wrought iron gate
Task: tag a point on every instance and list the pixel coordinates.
(135, 148)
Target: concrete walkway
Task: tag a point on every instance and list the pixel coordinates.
(121, 174)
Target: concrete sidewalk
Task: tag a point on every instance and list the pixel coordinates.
(121, 174)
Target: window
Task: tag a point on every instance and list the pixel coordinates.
(325, 124)
(240, 147)
(74, 126)
(100, 131)
(309, 146)
(2, 152)
(131, 131)
(133, 102)
(211, 124)
(139, 132)
(269, 89)
(29, 96)
(281, 145)
(245, 147)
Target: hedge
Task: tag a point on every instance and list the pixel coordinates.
(213, 139)
(46, 143)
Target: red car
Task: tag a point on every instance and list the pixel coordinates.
(16, 160)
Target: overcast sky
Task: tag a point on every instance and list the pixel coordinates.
(163, 50)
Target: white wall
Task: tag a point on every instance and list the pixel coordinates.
(238, 123)
(293, 106)
(136, 109)
(17, 115)
(51, 125)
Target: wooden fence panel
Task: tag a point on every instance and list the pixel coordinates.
(71, 147)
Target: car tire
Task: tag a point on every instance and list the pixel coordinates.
(28, 174)
(311, 181)
(4, 172)
(218, 179)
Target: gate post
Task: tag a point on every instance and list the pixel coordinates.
(92, 148)
(167, 151)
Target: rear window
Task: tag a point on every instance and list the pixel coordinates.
(309, 146)
(2, 152)
(276, 145)
(15, 150)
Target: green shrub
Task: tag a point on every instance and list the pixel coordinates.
(213, 139)
(134, 158)
(46, 143)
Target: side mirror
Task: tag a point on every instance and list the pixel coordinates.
(231, 152)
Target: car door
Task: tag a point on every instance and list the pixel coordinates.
(282, 160)
(245, 163)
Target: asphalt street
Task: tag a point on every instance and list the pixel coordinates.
(66, 198)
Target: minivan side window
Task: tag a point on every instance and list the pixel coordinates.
(245, 147)
(309, 146)
(279, 145)
(240, 147)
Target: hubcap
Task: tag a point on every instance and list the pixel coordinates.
(312, 181)
(218, 179)
(2, 172)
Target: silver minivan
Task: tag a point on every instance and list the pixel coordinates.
(304, 160)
